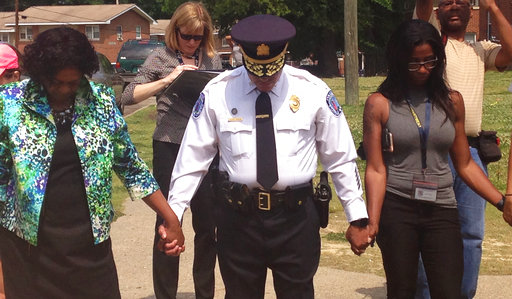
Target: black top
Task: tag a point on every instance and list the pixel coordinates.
(65, 223)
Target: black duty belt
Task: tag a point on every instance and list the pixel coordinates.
(267, 200)
(292, 197)
(240, 198)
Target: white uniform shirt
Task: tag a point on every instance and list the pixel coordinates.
(224, 117)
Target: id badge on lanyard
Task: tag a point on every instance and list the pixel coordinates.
(424, 186)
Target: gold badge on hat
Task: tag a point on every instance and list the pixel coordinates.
(263, 50)
(294, 103)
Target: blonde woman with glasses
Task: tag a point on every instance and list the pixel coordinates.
(189, 46)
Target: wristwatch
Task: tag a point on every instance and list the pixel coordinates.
(501, 203)
(363, 222)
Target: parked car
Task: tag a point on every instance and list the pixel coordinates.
(108, 76)
(132, 55)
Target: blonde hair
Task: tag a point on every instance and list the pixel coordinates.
(191, 15)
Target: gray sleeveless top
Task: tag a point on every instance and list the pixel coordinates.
(405, 161)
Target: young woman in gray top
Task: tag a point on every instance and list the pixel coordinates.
(189, 41)
(411, 204)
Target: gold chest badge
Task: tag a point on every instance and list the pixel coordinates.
(294, 103)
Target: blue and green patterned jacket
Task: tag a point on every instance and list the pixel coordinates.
(27, 138)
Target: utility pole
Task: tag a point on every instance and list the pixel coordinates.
(351, 53)
(16, 25)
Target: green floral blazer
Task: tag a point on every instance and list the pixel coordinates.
(27, 138)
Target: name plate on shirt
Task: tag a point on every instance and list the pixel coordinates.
(424, 187)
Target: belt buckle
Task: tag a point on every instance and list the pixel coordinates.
(264, 201)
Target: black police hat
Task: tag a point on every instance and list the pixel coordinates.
(264, 40)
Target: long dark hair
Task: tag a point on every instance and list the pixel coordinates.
(56, 49)
(405, 38)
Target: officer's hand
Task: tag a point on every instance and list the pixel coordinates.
(171, 241)
(358, 238)
(177, 71)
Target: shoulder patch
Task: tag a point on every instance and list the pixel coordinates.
(333, 104)
(198, 107)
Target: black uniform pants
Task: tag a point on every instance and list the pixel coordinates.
(287, 242)
(166, 268)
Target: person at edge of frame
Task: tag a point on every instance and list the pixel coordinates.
(9, 72)
(466, 64)
(267, 219)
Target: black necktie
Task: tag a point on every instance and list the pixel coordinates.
(265, 143)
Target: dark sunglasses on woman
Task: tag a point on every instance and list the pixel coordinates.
(189, 36)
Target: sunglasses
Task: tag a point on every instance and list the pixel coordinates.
(190, 36)
(415, 66)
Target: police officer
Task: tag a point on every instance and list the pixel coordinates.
(271, 122)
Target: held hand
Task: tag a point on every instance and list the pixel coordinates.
(507, 211)
(171, 242)
(358, 238)
(373, 230)
(177, 71)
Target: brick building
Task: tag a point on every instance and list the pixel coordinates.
(106, 26)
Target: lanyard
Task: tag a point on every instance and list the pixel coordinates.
(423, 131)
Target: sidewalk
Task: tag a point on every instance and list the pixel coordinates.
(132, 238)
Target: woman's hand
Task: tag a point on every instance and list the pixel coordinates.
(373, 230)
(177, 71)
(172, 239)
(172, 242)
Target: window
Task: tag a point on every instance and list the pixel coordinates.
(138, 32)
(25, 33)
(4, 37)
(92, 32)
(119, 30)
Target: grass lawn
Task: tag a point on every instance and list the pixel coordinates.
(497, 252)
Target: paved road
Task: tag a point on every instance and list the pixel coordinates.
(132, 237)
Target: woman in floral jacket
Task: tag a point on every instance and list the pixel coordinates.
(60, 138)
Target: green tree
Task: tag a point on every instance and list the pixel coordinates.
(319, 24)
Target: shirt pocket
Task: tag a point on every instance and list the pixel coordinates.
(238, 138)
(293, 135)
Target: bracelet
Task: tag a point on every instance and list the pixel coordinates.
(501, 203)
(508, 194)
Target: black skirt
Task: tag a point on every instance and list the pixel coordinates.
(65, 263)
